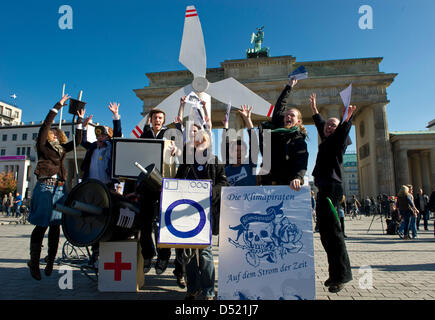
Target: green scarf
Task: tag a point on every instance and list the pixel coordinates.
(290, 130)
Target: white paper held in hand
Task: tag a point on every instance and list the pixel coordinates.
(299, 74)
(345, 97)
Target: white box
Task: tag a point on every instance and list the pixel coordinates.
(120, 266)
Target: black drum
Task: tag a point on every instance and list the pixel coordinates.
(92, 213)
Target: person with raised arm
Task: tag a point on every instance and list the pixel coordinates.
(328, 179)
(289, 152)
(240, 169)
(97, 163)
(52, 146)
(201, 277)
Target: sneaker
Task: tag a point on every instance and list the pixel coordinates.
(400, 235)
(181, 282)
(146, 265)
(161, 266)
(209, 298)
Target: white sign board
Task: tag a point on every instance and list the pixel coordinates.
(266, 244)
(185, 214)
(128, 151)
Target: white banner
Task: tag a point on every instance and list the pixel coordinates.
(185, 214)
(266, 244)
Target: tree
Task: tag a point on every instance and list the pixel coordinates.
(7, 182)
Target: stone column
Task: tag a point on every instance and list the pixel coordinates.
(432, 168)
(425, 171)
(415, 171)
(383, 154)
(402, 168)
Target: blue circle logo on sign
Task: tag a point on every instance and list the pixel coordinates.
(185, 234)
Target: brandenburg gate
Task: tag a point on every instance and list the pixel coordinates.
(267, 77)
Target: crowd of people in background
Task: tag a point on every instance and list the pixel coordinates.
(13, 205)
(405, 214)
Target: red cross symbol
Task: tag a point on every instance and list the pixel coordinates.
(118, 266)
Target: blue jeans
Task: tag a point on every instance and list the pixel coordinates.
(413, 225)
(201, 277)
(405, 225)
(17, 211)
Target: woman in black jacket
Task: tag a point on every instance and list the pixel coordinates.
(204, 167)
(288, 149)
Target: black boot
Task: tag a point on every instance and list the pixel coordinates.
(53, 242)
(33, 263)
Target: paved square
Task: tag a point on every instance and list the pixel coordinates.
(401, 270)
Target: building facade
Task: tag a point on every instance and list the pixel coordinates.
(350, 175)
(9, 115)
(268, 76)
(414, 158)
(18, 153)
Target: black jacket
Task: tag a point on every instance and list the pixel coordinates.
(425, 202)
(431, 204)
(214, 172)
(330, 156)
(148, 132)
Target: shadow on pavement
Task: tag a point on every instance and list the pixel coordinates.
(406, 267)
(17, 284)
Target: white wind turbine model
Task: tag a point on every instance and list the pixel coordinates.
(193, 57)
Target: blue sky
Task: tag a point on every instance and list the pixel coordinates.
(114, 43)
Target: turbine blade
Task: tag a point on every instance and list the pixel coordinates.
(192, 51)
(232, 91)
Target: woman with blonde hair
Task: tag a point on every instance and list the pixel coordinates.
(405, 205)
(52, 146)
(200, 164)
(289, 152)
